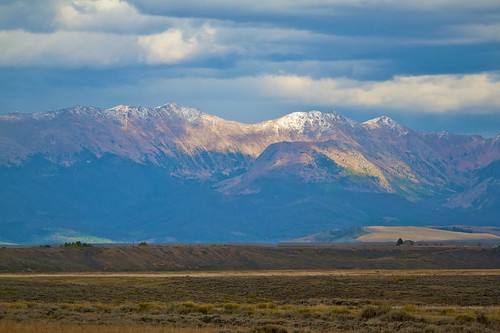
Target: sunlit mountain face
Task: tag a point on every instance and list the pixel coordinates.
(176, 174)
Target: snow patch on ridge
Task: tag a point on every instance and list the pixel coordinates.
(124, 112)
(312, 120)
(386, 122)
(189, 114)
(171, 110)
(13, 116)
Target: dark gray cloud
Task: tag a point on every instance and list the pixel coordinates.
(32, 15)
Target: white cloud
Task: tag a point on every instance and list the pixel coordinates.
(65, 49)
(427, 93)
(105, 16)
(167, 47)
(98, 49)
(478, 32)
(175, 45)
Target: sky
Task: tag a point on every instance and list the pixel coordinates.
(429, 64)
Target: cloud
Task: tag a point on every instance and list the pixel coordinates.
(316, 69)
(106, 16)
(103, 27)
(438, 94)
(426, 93)
(65, 49)
(478, 32)
(175, 45)
(33, 15)
(287, 7)
(97, 49)
(357, 54)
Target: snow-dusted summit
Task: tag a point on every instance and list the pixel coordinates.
(193, 144)
(385, 122)
(312, 120)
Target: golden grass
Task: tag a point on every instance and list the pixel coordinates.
(318, 303)
(58, 327)
(391, 234)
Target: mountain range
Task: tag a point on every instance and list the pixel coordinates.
(176, 174)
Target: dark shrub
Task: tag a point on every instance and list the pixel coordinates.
(371, 311)
(270, 329)
(481, 318)
(398, 315)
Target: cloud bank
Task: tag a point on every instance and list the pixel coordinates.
(429, 93)
(437, 56)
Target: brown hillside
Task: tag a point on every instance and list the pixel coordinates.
(243, 257)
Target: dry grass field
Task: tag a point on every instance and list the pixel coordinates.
(58, 327)
(265, 301)
(420, 234)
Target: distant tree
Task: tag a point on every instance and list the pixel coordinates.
(76, 244)
(142, 244)
(399, 242)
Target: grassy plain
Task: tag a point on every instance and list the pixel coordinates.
(253, 301)
(244, 288)
(243, 257)
(59, 327)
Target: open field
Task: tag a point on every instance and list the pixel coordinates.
(51, 327)
(243, 257)
(266, 301)
(244, 288)
(420, 234)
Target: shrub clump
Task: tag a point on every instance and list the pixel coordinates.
(269, 305)
(230, 307)
(481, 318)
(189, 306)
(410, 307)
(340, 310)
(371, 311)
(398, 315)
(270, 329)
(463, 318)
(145, 306)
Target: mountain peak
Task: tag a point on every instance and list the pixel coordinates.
(170, 109)
(187, 113)
(124, 112)
(121, 108)
(385, 122)
(12, 116)
(317, 120)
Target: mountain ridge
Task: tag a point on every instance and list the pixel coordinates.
(278, 171)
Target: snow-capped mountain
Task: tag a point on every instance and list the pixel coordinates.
(386, 123)
(178, 150)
